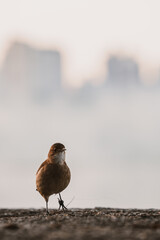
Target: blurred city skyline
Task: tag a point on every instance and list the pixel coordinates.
(86, 32)
(25, 65)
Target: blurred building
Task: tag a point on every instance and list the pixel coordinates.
(122, 72)
(86, 94)
(32, 72)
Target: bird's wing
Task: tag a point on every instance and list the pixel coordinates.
(42, 165)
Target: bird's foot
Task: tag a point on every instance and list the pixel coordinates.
(47, 213)
(61, 204)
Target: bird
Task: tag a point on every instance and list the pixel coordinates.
(53, 175)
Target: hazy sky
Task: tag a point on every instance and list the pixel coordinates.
(86, 31)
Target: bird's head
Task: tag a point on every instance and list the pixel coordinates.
(57, 153)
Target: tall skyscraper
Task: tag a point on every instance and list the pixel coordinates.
(32, 71)
(122, 72)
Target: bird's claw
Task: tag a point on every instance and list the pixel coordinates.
(61, 204)
(47, 213)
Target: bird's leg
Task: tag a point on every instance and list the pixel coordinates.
(61, 203)
(47, 207)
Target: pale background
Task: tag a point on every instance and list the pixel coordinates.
(111, 131)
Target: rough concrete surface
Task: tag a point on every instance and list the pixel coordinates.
(97, 223)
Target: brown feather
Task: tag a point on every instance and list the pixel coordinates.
(52, 177)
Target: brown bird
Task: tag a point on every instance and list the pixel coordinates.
(53, 176)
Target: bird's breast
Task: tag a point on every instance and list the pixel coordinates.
(53, 178)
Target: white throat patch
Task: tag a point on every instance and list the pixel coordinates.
(60, 158)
